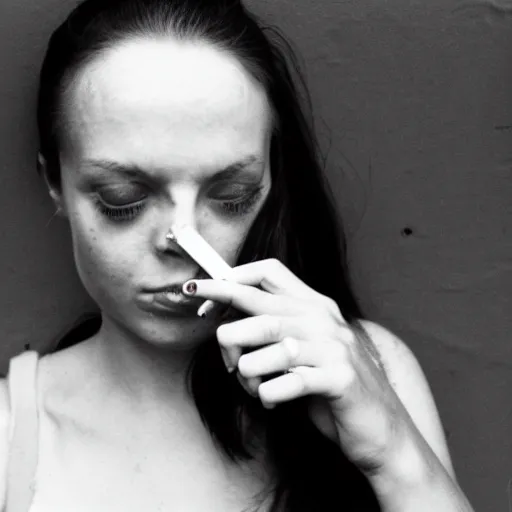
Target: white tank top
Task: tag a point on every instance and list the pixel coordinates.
(23, 434)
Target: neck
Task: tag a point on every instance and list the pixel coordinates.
(142, 371)
(152, 382)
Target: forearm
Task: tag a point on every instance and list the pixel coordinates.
(414, 480)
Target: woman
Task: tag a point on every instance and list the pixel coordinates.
(154, 112)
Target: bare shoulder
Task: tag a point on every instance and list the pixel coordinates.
(4, 439)
(406, 376)
(63, 378)
(398, 359)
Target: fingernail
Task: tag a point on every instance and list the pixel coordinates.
(243, 382)
(206, 308)
(254, 384)
(224, 354)
(190, 288)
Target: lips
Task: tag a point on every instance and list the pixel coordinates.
(168, 303)
(175, 288)
(170, 299)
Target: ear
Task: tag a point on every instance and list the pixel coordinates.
(55, 193)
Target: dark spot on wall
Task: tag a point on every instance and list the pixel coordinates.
(406, 231)
(27, 346)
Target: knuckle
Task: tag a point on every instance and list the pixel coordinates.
(350, 375)
(326, 304)
(333, 308)
(303, 386)
(348, 335)
(330, 303)
(273, 265)
(344, 375)
(272, 327)
(291, 347)
(340, 354)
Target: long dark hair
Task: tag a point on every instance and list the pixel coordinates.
(297, 224)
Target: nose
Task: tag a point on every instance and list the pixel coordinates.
(180, 210)
(167, 243)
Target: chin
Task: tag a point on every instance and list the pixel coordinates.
(165, 331)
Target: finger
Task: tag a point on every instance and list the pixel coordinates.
(231, 356)
(260, 330)
(209, 307)
(331, 382)
(248, 299)
(250, 385)
(324, 419)
(255, 332)
(250, 332)
(206, 308)
(280, 357)
(272, 276)
(236, 337)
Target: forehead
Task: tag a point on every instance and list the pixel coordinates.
(152, 102)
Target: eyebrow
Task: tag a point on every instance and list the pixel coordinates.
(134, 171)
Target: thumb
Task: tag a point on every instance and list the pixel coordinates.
(322, 417)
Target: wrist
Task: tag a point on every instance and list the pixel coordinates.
(413, 479)
(407, 466)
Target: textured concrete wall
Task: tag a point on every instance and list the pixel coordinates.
(418, 99)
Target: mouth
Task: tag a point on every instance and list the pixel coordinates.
(170, 298)
(168, 302)
(177, 286)
(174, 289)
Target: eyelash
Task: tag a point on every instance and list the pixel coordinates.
(119, 214)
(127, 213)
(242, 206)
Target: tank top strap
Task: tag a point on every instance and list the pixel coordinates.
(24, 431)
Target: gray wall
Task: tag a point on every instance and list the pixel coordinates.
(418, 98)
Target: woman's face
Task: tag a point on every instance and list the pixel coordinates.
(158, 132)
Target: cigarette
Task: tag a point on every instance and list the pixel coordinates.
(201, 251)
(204, 254)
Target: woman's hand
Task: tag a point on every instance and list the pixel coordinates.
(295, 332)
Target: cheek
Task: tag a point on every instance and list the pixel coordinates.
(228, 239)
(99, 264)
(230, 244)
